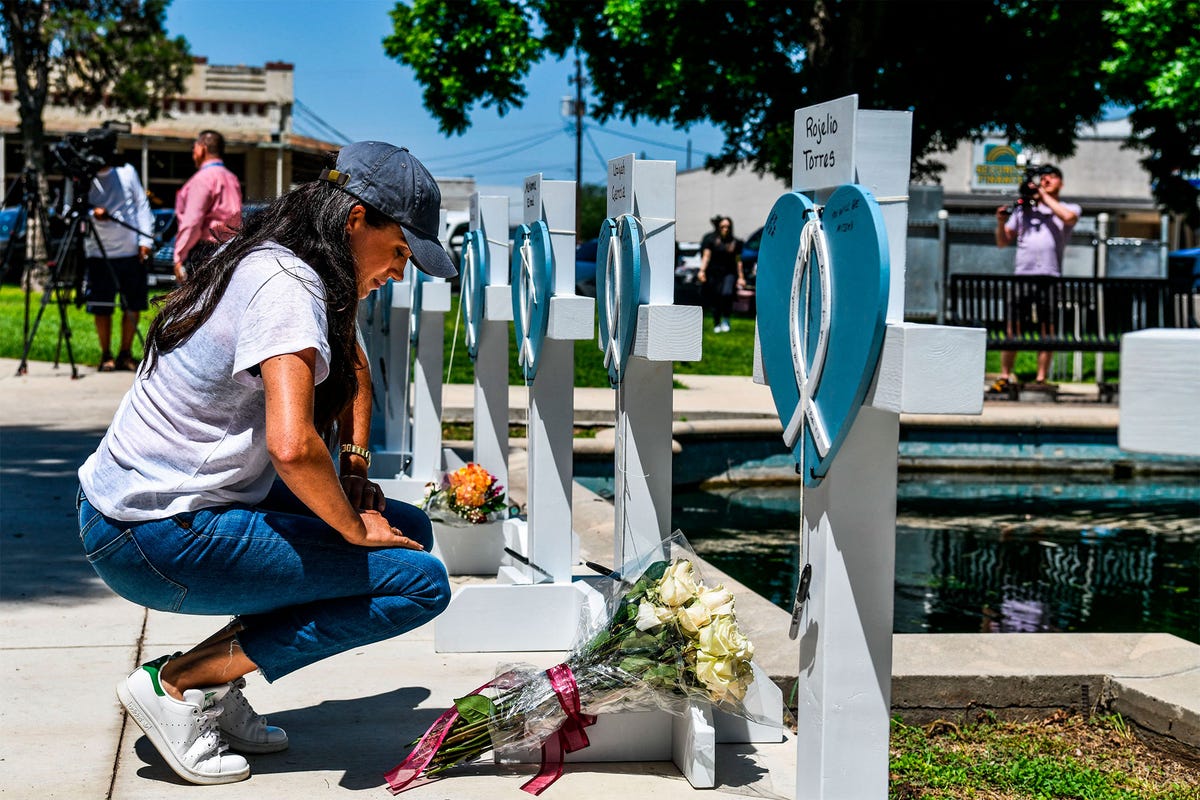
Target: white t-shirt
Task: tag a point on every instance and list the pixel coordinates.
(192, 435)
(119, 191)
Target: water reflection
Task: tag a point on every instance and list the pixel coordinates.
(975, 555)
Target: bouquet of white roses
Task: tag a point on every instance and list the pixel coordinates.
(469, 493)
(670, 640)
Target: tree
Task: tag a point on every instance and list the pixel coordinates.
(1155, 68)
(89, 52)
(1028, 68)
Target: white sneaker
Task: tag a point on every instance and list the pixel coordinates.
(245, 730)
(183, 731)
(717, 328)
(724, 327)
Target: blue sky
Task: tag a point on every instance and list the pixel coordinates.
(344, 77)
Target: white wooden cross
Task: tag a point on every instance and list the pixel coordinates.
(850, 518)
(485, 305)
(664, 332)
(536, 603)
(404, 334)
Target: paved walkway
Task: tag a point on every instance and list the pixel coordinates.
(67, 639)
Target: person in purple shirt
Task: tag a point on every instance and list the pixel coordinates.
(208, 207)
(1040, 229)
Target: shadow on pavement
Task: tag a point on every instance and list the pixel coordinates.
(39, 532)
(363, 738)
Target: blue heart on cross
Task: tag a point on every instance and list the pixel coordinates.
(618, 285)
(532, 277)
(416, 282)
(474, 277)
(822, 295)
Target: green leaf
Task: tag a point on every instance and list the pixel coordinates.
(475, 708)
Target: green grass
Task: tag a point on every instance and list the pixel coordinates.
(1026, 366)
(46, 340)
(722, 354)
(1095, 758)
(726, 354)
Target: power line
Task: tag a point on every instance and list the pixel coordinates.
(644, 140)
(542, 135)
(513, 151)
(315, 119)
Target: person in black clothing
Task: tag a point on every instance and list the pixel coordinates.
(721, 272)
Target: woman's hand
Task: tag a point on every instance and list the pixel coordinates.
(363, 494)
(378, 533)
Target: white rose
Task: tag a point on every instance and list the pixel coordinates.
(693, 617)
(725, 678)
(722, 638)
(678, 585)
(718, 600)
(650, 616)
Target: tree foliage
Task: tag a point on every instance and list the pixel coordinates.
(87, 53)
(1030, 68)
(1155, 69)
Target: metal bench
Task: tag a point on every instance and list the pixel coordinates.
(1066, 314)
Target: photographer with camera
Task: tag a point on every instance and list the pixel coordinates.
(1040, 224)
(115, 257)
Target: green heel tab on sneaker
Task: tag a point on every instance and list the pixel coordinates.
(152, 667)
(152, 670)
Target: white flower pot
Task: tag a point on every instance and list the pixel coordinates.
(469, 549)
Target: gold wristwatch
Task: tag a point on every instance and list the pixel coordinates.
(355, 450)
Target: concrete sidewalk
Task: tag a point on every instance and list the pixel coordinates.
(68, 639)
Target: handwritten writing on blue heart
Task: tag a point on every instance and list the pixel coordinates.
(532, 277)
(618, 284)
(822, 294)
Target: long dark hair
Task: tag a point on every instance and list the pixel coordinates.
(311, 222)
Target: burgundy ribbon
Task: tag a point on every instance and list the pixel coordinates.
(408, 775)
(570, 736)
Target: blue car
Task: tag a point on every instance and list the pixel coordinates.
(585, 267)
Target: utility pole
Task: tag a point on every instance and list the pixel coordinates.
(578, 140)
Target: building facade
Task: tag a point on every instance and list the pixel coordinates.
(250, 106)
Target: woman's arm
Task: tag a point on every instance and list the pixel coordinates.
(354, 428)
(302, 460)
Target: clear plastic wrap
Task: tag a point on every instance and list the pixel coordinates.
(668, 640)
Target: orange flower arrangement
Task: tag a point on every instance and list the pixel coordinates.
(470, 492)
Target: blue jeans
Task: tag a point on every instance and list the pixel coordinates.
(299, 589)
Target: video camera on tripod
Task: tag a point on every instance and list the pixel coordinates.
(82, 155)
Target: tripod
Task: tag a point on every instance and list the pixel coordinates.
(65, 274)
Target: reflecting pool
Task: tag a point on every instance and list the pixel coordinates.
(1034, 553)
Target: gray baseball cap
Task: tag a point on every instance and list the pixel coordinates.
(392, 180)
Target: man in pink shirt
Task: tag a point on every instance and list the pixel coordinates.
(208, 207)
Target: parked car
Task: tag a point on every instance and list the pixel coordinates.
(687, 266)
(12, 242)
(750, 257)
(585, 267)
(161, 271)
